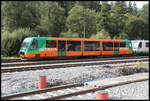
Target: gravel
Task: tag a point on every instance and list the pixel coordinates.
(28, 80)
(133, 91)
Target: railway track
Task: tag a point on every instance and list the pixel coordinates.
(61, 92)
(9, 61)
(9, 64)
(48, 65)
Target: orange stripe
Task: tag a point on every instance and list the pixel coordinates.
(88, 53)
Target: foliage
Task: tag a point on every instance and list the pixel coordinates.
(11, 43)
(81, 20)
(101, 35)
(74, 19)
(19, 15)
(67, 5)
(141, 64)
(69, 35)
(103, 20)
(93, 5)
(52, 19)
(135, 28)
(117, 19)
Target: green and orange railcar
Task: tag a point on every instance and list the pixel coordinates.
(52, 47)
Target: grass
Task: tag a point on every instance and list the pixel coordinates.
(141, 64)
(10, 57)
(139, 67)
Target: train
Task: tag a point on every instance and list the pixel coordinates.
(54, 47)
(140, 47)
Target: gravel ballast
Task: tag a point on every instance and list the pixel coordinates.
(28, 80)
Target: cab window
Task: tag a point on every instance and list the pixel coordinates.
(34, 45)
(140, 45)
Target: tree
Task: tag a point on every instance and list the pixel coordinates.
(52, 21)
(67, 5)
(135, 28)
(144, 16)
(135, 11)
(103, 17)
(19, 15)
(117, 19)
(93, 5)
(130, 8)
(81, 20)
(101, 35)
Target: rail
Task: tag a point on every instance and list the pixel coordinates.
(144, 77)
(65, 65)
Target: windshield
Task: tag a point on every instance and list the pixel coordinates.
(135, 44)
(25, 43)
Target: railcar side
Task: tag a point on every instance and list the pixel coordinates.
(52, 47)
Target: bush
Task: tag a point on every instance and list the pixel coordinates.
(101, 35)
(5, 43)
(69, 34)
(131, 70)
(11, 42)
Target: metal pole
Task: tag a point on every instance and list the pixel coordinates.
(84, 21)
(84, 28)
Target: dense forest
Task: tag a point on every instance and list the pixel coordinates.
(77, 19)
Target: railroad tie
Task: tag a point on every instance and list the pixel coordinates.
(113, 81)
(70, 90)
(80, 88)
(26, 98)
(40, 96)
(51, 94)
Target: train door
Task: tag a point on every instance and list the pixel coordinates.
(61, 48)
(116, 48)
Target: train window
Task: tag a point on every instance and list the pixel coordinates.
(91, 46)
(147, 44)
(122, 44)
(50, 44)
(73, 45)
(34, 45)
(108, 46)
(116, 44)
(140, 45)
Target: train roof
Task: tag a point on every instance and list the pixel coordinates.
(86, 39)
(141, 40)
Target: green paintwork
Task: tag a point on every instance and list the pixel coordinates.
(127, 45)
(41, 45)
(116, 52)
(139, 52)
(62, 53)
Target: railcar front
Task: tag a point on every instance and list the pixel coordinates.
(31, 48)
(140, 47)
(25, 47)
